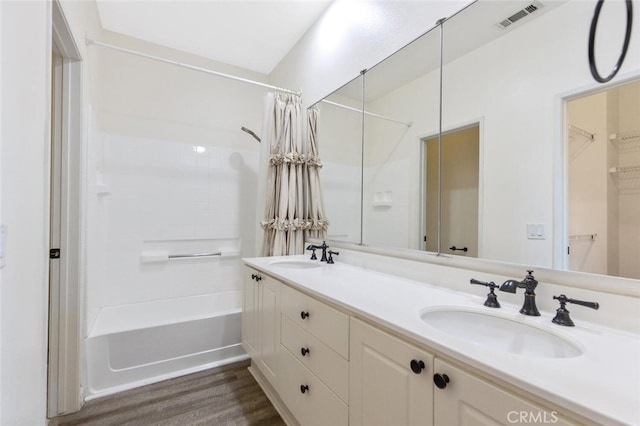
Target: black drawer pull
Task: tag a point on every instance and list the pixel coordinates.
(304, 388)
(417, 366)
(304, 314)
(441, 380)
(304, 351)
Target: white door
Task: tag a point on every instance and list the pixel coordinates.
(385, 390)
(459, 192)
(269, 323)
(250, 313)
(468, 400)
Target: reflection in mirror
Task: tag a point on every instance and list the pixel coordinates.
(403, 93)
(510, 76)
(603, 159)
(458, 194)
(340, 148)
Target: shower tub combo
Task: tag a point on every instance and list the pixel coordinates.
(141, 343)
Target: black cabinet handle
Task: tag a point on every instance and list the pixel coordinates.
(256, 277)
(304, 351)
(304, 388)
(304, 314)
(417, 366)
(440, 380)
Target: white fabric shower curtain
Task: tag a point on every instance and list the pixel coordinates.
(283, 221)
(314, 204)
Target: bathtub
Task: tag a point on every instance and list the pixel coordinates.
(137, 344)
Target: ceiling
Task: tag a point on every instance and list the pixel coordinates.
(251, 34)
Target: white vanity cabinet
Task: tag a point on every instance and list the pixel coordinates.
(391, 380)
(314, 361)
(394, 382)
(324, 364)
(468, 400)
(261, 322)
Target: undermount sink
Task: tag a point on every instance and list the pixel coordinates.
(295, 263)
(500, 333)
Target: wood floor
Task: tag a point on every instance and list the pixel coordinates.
(227, 395)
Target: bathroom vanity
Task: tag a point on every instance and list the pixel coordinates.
(346, 345)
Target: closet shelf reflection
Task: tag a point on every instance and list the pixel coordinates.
(626, 141)
(626, 172)
(582, 237)
(575, 130)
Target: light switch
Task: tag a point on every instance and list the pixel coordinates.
(535, 231)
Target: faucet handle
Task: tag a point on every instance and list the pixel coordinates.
(330, 259)
(492, 298)
(313, 253)
(562, 313)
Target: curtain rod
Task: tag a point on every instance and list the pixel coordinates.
(408, 124)
(89, 42)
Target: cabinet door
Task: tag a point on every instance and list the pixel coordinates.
(250, 313)
(468, 400)
(383, 388)
(269, 326)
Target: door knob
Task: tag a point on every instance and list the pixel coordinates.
(440, 380)
(417, 366)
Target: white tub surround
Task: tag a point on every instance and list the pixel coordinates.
(600, 386)
(141, 343)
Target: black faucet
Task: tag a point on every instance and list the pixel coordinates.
(529, 284)
(324, 248)
(313, 253)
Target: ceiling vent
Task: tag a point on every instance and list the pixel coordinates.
(525, 11)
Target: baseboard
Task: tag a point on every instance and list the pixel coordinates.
(273, 396)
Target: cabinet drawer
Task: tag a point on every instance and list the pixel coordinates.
(327, 324)
(317, 405)
(324, 362)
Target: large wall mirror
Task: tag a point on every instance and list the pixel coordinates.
(514, 184)
(340, 144)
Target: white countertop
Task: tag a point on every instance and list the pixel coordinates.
(602, 384)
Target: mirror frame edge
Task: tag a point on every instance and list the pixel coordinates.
(586, 281)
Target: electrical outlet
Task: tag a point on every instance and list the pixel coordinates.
(535, 231)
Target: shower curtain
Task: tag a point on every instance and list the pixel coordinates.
(314, 205)
(283, 221)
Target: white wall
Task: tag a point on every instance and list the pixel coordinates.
(25, 59)
(339, 140)
(518, 164)
(352, 36)
(393, 152)
(1, 216)
(169, 170)
(515, 96)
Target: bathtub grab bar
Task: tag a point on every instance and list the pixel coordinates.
(185, 256)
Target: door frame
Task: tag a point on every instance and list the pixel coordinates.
(64, 394)
(561, 164)
(423, 174)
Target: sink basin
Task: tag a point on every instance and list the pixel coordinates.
(295, 264)
(500, 333)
